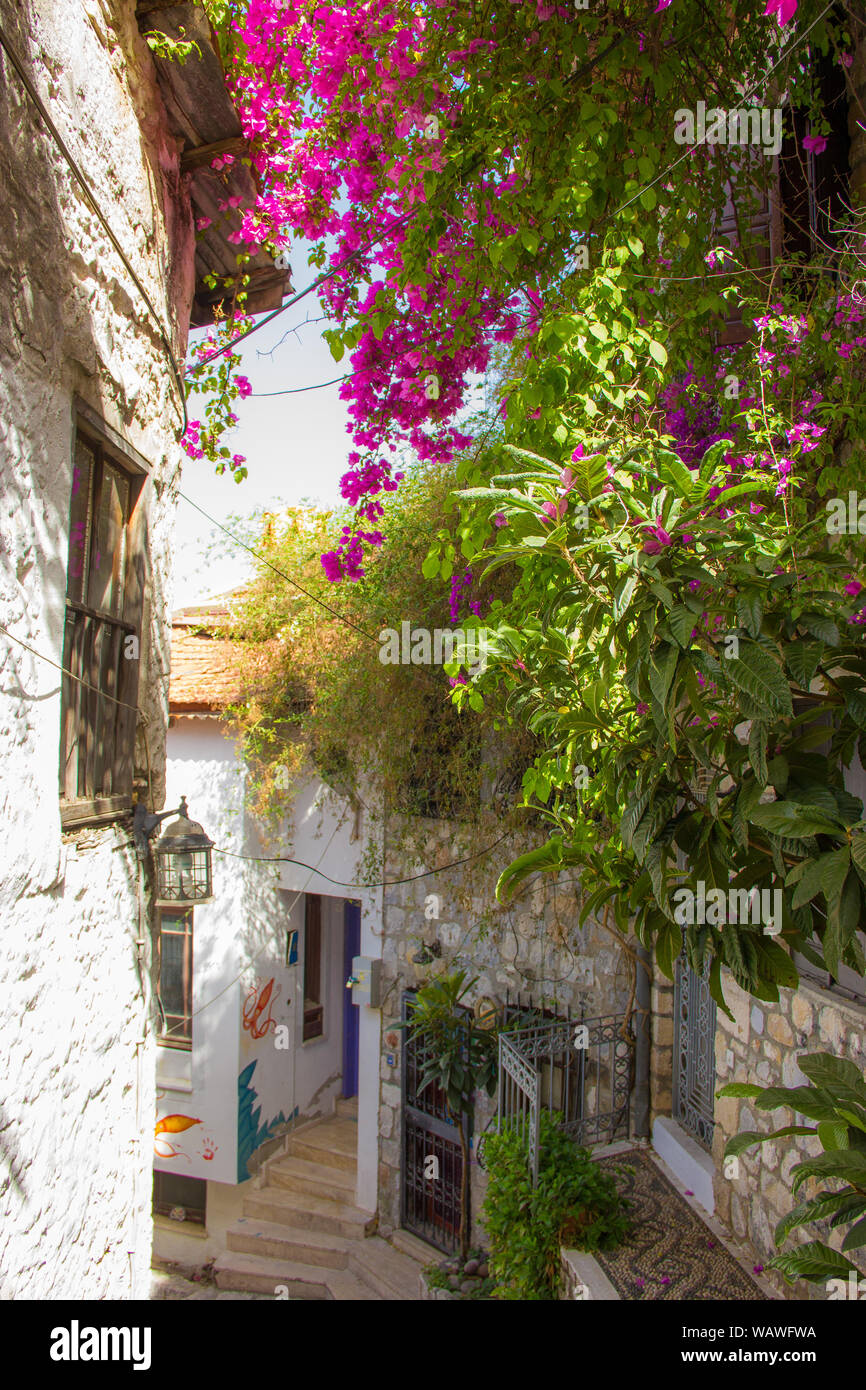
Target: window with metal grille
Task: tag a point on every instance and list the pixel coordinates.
(183, 1198)
(314, 1019)
(102, 636)
(175, 978)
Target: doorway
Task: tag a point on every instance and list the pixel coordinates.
(351, 1012)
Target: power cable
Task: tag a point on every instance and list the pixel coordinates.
(18, 64)
(297, 390)
(296, 299)
(385, 883)
(265, 561)
(95, 688)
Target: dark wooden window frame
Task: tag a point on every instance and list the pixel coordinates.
(97, 735)
(176, 1028)
(314, 1010)
(163, 1203)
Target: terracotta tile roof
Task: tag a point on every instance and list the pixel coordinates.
(203, 665)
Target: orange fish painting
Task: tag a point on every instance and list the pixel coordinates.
(172, 1124)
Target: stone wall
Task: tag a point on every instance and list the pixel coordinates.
(761, 1046)
(662, 1045)
(76, 1037)
(533, 949)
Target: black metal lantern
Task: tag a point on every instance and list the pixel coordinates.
(182, 853)
(183, 863)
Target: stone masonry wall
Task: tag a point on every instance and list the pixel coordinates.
(761, 1046)
(76, 1038)
(533, 948)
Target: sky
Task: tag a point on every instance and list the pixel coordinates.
(296, 448)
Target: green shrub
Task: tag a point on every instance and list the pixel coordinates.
(575, 1204)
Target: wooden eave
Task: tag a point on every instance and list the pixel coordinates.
(205, 125)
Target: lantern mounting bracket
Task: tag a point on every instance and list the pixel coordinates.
(144, 823)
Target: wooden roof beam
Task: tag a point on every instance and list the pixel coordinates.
(205, 154)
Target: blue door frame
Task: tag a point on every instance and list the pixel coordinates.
(351, 1012)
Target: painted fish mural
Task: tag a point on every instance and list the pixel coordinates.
(171, 1124)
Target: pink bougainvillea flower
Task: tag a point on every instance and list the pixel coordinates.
(816, 143)
(657, 539)
(577, 453)
(784, 10)
(641, 708)
(853, 588)
(662, 5)
(499, 519)
(846, 59)
(757, 1269)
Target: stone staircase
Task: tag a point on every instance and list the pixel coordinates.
(303, 1232)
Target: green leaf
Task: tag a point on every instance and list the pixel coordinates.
(855, 1237)
(847, 1164)
(758, 751)
(833, 1135)
(740, 1090)
(658, 353)
(814, 1261)
(802, 660)
(818, 1209)
(756, 672)
(748, 1137)
(835, 1074)
(794, 822)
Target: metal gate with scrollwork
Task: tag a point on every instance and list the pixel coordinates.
(430, 1191)
(694, 1077)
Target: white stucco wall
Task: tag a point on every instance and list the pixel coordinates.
(239, 947)
(238, 950)
(328, 836)
(76, 1045)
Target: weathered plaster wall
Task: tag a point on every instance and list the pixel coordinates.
(533, 948)
(76, 1045)
(761, 1046)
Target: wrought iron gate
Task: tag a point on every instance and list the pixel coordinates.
(579, 1069)
(430, 1192)
(694, 1052)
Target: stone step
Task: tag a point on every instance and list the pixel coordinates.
(294, 1243)
(259, 1274)
(301, 1210)
(302, 1175)
(348, 1109)
(333, 1143)
(415, 1248)
(393, 1276)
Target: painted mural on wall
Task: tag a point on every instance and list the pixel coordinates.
(266, 1080)
(185, 1141)
(253, 1131)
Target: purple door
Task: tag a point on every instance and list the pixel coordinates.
(351, 1012)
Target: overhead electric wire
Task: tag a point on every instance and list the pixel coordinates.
(18, 64)
(314, 285)
(282, 574)
(384, 883)
(87, 685)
